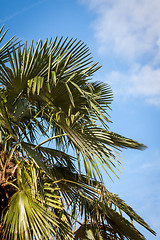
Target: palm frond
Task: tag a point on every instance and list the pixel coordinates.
(25, 215)
(91, 231)
(46, 89)
(37, 208)
(118, 202)
(7, 47)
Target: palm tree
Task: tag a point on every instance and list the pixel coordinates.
(56, 191)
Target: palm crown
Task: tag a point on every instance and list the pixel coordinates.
(47, 95)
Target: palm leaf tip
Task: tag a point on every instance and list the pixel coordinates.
(7, 47)
(124, 142)
(118, 202)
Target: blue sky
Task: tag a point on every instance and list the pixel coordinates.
(124, 37)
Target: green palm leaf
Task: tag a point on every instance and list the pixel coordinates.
(47, 96)
(7, 47)
(26, 217)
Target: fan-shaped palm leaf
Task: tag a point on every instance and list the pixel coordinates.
(46, 89)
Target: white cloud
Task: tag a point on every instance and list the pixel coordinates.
(140, 81)
(130, 31)
(128, 28)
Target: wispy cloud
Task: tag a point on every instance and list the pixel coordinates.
(153, 165)
(17, 13)
(130, 30)
(140, 81)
